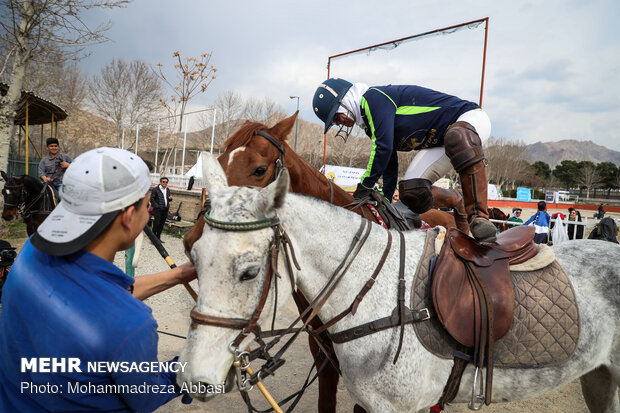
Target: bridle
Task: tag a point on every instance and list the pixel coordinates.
(25, 209)
(280, 161)
(250, 325)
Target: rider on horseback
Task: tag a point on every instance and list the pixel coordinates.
(443, 128)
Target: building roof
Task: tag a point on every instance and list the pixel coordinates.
(40, 110)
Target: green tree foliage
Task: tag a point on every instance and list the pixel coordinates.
(542, 169)
(608, 172)
(567, 173)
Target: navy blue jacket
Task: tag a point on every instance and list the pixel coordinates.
(77, 306)
(403, 118)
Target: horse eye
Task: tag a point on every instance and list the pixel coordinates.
(249, 273)
(260, 171)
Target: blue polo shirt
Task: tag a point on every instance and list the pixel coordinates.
(78, 307)
(404, 118)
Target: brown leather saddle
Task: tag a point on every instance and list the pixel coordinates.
(472, 291)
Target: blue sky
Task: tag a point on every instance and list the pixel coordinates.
(552, 69)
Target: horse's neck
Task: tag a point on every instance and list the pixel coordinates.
(305, 179)
(322, 236)
(33, 186)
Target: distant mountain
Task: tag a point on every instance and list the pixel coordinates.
(555, 152)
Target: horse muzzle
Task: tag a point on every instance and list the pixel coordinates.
(204, 391)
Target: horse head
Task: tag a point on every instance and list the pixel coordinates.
(235, 277)
(249, 159)
(13, 195)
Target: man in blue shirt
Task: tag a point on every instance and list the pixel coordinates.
(447, 131)
(74, 335)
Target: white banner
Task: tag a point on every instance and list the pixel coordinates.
(345, 177)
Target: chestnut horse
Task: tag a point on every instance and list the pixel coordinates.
(252, 158)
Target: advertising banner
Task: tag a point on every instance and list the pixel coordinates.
(524, 194)
(345, 177)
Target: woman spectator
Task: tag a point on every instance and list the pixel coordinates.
(515, 216)
(575, 231)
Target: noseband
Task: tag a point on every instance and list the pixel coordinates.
(280, 161)
(250, 325)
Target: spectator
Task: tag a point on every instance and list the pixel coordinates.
(447, 132)
(540, 220)
(605, 230)
(575, 231)
(396, 196)
(515, 216)
(66, 299)
(601, 212)
(53, 165)
(160, 202)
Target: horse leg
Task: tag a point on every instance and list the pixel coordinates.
(451, 198)
(600, 391)
(329, 376)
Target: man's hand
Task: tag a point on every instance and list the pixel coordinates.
(64, 165)
(45, 178)
(361, 191)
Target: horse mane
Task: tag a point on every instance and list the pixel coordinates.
(244, 134)
(32, 182)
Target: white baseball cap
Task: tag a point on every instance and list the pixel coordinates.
(96, 187)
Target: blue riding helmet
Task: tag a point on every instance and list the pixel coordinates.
(327, 98)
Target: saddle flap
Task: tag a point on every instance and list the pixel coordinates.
(468, 248)
(454, 297)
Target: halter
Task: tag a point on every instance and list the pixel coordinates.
(280, 161)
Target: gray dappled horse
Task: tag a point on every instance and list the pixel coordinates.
(233, 275)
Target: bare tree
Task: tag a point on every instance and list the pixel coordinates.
(195, 75)
(261, 110)
(126, 94)
(39, 31)
(229, 107)
(507, 161)
(589, 178)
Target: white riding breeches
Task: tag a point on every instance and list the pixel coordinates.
(433, 163)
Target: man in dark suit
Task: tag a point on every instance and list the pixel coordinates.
(160, 202)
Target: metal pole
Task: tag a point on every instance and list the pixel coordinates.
(157, 145)
(137, 135)
(484, 57)
(296, 120)
(184, 141)
(123, 140)
(213, 130)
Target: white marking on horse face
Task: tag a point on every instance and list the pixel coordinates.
(233, 153)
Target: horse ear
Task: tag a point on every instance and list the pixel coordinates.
(272, 196)
(212, 172)
(4, 176)
(284, 127)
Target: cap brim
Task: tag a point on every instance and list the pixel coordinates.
(64, 232)
(330, 117)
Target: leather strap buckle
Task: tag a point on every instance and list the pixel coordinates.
(428, 314)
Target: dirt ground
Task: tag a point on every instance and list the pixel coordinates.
(171, 310)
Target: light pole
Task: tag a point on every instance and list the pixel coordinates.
(296, 120)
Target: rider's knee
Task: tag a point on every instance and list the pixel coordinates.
(463, 146)
(416, 194)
